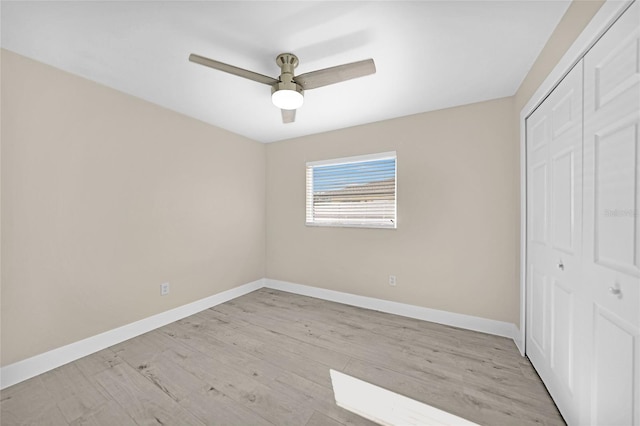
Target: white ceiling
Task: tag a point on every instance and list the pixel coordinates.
(429, 55)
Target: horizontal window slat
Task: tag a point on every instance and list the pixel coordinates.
(359, 206)
(364, 178)
(345, 168)
(359, 200)
(364, 195)
(350, 205)
(354, 214)
(372, 211)
(355, 218)
(355, 223)
(353, 170)
(354, 208)
(354, 188)
(365, 172)
(338, 195)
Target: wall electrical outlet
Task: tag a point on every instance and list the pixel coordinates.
(164, 289)
(392, 280)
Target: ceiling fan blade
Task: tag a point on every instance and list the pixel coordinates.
(332, 75)
(288, 115)
(241, 72)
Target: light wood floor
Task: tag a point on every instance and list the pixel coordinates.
(264, 359)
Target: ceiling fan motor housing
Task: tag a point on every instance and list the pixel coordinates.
(287, 63)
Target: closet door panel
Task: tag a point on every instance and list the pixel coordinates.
(562, 339)
(538, 313)
(613, 381)
(538, 203)
(616, 70)
(538, 245)
(554, 159)
(615, 168)
(563, 197)
(611, 259)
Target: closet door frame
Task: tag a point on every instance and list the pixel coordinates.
(610, 11)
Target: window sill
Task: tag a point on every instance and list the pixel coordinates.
(351, 225)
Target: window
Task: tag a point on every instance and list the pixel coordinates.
(353, 191)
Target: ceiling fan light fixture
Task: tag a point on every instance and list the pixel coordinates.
(287, 98)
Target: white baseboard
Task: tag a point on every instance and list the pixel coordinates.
(517, 339)
(30, 367)
(484, 325)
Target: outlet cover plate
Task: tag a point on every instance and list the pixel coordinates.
(164, 289)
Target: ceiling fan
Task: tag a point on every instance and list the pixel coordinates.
(287, 91)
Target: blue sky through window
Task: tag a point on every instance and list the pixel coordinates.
(339, 176)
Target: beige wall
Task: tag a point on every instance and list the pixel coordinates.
(105, 197)
(454, 245)
(574, 21)
(458, 238)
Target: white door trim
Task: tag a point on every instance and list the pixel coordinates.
(603, 19)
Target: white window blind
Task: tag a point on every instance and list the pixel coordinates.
(353, 191)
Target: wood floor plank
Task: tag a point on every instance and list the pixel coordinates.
(29, 403)
(504, 382)
(285, 342)
(46, 416)
(489, 404)
(143, 348)
(108, 414)
(264, 359)
(72, 392)
(319, 419)
(212, 407)
(169, 377)
(97, 362)
(255, 350)
(141, 400)
(245, 389)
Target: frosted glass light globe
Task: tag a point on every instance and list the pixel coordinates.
(287, 99)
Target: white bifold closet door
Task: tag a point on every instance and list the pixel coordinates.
(583, 233)
(554, 251)
(612, 220)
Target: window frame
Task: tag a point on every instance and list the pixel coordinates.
(310, 165)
